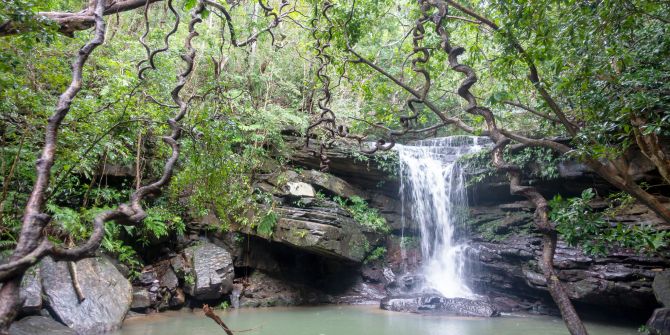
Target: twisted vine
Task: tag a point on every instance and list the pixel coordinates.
(514, 173)
(151, 55)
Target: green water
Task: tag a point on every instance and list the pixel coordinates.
(348, 320)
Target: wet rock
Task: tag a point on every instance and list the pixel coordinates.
(435, 304)
(367, 174)
(141, 299)
(659, 323)
(108, 294)
(407, 284)
(373, 273)
(31, 291)
(177, 299)
(39, 325)
(361, 293)
(211, 271)
(169, 279)
(661, 287)
(147, 277)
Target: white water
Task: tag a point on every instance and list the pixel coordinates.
(433, 194)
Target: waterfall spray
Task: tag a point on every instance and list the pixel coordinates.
(434, 197)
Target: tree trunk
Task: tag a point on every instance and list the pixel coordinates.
(625, 183)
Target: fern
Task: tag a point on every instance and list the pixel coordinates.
(7, 244)
(267, 224)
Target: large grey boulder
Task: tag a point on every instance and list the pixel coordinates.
(108, 294)
(661, 287)
(33, 325)
(659, 323)
(31, 291)
(436, 304)
(210, 273)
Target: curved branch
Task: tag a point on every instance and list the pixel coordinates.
(549, 235)
(32, 245)
(532, 110)
(533, 74)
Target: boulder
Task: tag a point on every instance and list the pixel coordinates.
(331, 183)
(436, 304)
(32, 325)
(169, 279)
(300, 189)
(659, 323)
(31, 291)
(141, 299)
(661, 287)
(107, 293)
(211, 271)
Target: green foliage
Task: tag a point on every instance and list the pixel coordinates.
(540, 163)
(320, 197)
(224, 305)
(267, 224)
(363, 214)
(386, 161)
(113, 245)
(605, 62)
(375, 254)
(578, 224)
(158, 224)
(189, 279)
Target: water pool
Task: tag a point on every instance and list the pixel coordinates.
(349, 320)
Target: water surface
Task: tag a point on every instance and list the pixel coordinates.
(348, 320)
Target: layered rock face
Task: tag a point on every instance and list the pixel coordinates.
(504, 253)
(315, 224)
(504, 246)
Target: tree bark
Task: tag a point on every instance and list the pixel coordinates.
(69, 23)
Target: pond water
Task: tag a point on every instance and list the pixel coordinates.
(348, 320)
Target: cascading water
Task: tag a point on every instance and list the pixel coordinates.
(433, 194)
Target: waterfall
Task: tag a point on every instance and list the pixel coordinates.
(434, 197)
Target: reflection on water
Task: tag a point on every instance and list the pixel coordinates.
(348, 320)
